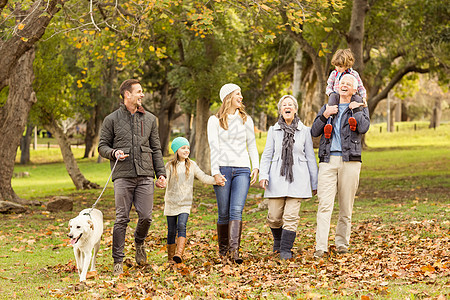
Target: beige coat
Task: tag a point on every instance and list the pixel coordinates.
(179, 191)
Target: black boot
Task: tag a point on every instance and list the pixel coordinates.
(287, 241)
(222, 239)
(234, 240)
(276, 232)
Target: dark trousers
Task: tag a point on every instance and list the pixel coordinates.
(127, 192)
(176, 224)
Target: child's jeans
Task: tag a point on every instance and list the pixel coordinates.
(176, 224)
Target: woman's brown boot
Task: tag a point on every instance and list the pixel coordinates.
(222, 238)
(178, 257)
(234, 240)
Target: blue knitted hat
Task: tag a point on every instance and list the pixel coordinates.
(179, 142)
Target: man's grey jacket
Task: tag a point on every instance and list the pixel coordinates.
(136, 135)
(350, 140)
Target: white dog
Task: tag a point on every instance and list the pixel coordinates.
(85, 234)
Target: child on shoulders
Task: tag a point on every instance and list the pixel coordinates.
(343, 61)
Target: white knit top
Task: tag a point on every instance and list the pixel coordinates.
(179, 191)
(229, 147)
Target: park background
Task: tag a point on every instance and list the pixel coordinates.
(63, 61)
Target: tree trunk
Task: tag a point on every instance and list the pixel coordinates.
(78, 179)
(202, 153)
(436, 114)
(164, 129)
(92, 132)
(392, 118)
(192, 138)
(25, 143)
(188, 125)
(298, 70)
(404, 112)
(166, 115)
(311, 101)
(262, 121)
(13, 118)
(356, 32)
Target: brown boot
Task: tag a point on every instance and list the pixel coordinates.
(178, 257)
(222, 238)
(171, 251)
(234, 240)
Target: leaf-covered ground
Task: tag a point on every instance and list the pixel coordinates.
(399, 250)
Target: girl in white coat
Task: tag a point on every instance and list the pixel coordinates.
(288, 173)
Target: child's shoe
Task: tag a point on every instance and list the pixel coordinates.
(327, 130)
(352, 122)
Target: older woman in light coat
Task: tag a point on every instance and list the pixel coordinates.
(288, 173)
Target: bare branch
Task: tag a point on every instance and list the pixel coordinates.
(396, 79)
(92, 15)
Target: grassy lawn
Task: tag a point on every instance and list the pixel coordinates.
(400, 239)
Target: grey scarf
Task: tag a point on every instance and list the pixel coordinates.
(287, 158)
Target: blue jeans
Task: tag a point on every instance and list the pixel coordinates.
(231, 197)
(174, 224)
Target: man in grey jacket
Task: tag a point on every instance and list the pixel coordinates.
(130, 135)
(339, 163)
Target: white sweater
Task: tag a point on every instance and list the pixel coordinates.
(229, 147)
(179, 191)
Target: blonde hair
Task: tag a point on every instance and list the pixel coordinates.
(173, 166)
(343, 58)
(222, 114)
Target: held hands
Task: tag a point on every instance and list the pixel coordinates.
(161, 182)
(263, 183)
(330, 110)
(220, 179)
(254, 176)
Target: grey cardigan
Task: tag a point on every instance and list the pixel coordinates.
(350, 140)
(136, 135)
(304, 168)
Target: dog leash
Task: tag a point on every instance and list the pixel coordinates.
(107, 181)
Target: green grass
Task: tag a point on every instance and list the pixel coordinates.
(401, 226)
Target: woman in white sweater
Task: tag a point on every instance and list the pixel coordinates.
(180, 173)
(230, 134)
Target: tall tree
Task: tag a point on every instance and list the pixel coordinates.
(23, 26)
(15, 112)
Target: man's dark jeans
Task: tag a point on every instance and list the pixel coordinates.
(129, 191)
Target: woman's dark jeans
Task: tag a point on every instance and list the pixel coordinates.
(231, 197)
